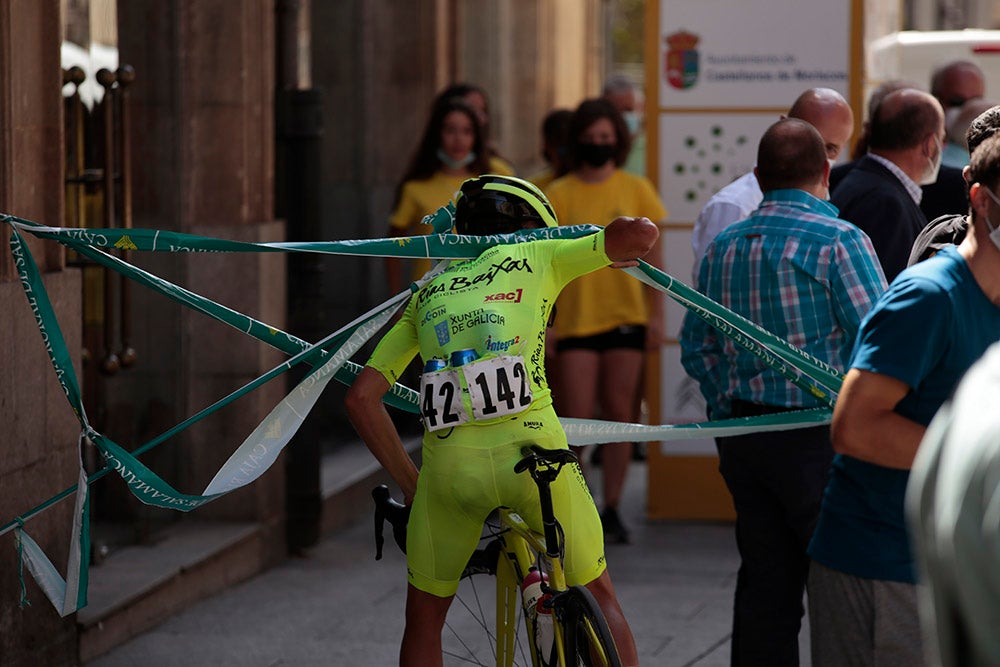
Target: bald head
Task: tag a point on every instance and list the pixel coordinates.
(904, 120)
(827, 111)
(791, 155)
(956, 82)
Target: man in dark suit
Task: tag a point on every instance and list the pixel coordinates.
(881, 195)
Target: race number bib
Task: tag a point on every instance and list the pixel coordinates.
(497, 387)
(441, 400)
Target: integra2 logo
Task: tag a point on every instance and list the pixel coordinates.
(508, 297)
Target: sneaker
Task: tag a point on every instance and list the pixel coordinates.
(614, 530)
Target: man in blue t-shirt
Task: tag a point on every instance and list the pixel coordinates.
(936, 319)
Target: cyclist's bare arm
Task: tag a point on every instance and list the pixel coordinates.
(628, 239)
(370, 419)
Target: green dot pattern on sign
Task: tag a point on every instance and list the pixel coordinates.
(702, 175)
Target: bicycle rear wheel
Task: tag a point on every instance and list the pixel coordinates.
(586, 636)
(486, 624)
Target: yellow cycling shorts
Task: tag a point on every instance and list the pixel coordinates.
(468, 472)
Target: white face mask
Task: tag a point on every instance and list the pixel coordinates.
(934, 166)
(456, 164)
(632, 121)
(994, 231)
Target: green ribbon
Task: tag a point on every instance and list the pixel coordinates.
(329, 359)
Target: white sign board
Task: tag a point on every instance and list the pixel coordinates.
(738, 54)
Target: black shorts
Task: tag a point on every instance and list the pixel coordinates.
(626, 337)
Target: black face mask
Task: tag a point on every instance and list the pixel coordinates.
(596, 155)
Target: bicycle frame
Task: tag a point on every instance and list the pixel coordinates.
(521, 548)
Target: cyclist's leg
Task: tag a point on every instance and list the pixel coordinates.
(584, 561)
(425, 614)
(604, 593)
(445, 524)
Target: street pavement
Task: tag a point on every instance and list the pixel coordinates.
(338, 606)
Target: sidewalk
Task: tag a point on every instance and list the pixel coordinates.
(339, 607)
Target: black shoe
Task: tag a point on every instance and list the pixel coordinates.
(614, 530)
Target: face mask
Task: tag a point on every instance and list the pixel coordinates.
(632, 122)
(596, 155)
(934, 166)
(469, 158)
(994, 231)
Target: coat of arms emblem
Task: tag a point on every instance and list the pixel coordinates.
(682, 59)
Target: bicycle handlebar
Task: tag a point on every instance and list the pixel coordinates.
(396, 513)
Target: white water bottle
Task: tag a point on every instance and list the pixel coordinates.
(535, 607)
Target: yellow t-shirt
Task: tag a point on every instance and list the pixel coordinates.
(500, 166)
(543, 178)
(608, 298)
(420, 198)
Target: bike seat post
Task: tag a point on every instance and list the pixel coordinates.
(548, 515)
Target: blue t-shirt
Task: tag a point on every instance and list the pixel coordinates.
(928, 328)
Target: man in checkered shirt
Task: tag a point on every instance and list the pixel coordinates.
(800, 272)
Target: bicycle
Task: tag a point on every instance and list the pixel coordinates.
(512, 553)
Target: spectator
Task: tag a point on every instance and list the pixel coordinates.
(605, 319)
(951, 504)
(450, 151)
(824, 109)
(956, 82)
(862, 598)
(881, 195)
(803, 274)
(555, 140)
(860, 148)
(627, 98)
(957, 121)
(475, 97)
(949, 230)
(953, 85)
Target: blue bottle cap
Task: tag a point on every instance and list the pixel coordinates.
(462, 357)
(434, 364)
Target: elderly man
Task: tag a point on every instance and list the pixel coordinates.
(957, 82)
(881, 195)
(805, 275)
(936, 319)
(824, 109)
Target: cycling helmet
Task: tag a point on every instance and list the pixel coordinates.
(492, 204)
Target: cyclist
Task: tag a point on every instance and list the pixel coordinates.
(496, 305)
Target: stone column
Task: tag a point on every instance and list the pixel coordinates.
(38, 453)
(203, 140)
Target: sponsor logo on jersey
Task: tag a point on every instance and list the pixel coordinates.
(500, 345)
(509, 297)
(452, 283)
(433, 314)
(534, 426)
(478, 317)
(441, 329)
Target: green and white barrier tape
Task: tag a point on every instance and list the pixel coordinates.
(329, 359)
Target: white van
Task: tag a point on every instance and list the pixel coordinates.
(913, 55)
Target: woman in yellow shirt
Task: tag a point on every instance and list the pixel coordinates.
(450, 151)
(605, 320)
